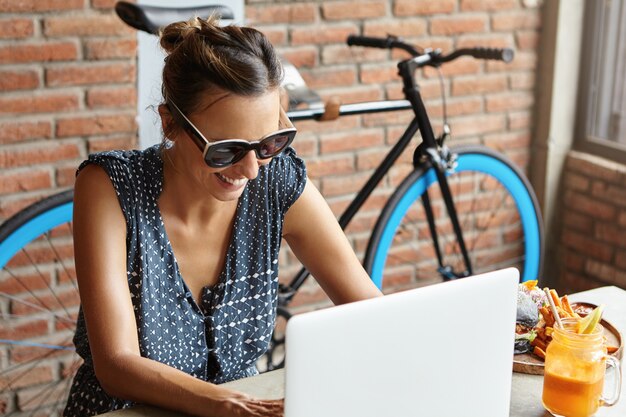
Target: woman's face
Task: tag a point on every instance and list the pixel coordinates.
(227, 117)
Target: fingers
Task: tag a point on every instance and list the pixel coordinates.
(266, 408)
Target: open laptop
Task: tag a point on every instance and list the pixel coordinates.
(442, 350)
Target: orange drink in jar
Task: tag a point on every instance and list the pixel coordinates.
(574, 372)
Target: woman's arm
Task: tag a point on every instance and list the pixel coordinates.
(100, 254)
(316, 238)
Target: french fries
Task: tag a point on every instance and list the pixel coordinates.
(545, 326)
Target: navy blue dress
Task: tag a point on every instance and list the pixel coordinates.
(220, 338)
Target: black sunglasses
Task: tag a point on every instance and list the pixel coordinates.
(223, 153)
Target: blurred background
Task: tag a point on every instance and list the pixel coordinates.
(74, 79)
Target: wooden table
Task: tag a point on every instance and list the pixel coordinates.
(525, 392)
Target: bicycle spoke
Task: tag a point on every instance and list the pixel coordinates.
(34, 306)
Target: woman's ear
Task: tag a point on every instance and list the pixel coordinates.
(167, 121)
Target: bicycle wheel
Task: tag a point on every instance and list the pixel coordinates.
(38, 307)
(497, 211)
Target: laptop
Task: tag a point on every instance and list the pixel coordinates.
(436, 351)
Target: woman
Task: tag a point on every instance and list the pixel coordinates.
(177, 245)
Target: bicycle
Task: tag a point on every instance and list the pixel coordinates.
(455, 206)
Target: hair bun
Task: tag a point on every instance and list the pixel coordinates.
(175, 33)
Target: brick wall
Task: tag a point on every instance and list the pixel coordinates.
(68, 82)
(593, 232)
(67, 88)
(488, 102)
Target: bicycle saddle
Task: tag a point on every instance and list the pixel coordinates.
(151, 18)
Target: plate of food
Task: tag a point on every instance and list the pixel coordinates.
(535, 322)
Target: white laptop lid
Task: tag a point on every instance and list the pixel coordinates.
(442, 350)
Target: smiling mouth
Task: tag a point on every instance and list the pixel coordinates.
(236, 182)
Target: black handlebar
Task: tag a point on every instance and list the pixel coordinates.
(431, 58)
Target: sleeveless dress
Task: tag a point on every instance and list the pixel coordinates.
(220, 338)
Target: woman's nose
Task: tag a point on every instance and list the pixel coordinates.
(249, 165)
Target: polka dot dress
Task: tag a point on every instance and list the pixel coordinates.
(220, 338)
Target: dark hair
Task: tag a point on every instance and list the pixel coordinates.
(204, 57)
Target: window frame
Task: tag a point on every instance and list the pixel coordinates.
(584, 141)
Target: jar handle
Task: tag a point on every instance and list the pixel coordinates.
(611, 361)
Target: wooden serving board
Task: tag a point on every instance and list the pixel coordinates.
(527, 363)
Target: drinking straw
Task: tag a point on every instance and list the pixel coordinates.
(555, 313)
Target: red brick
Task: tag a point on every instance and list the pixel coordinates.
(457, 107)
(620, 260)
(503, 141)
(576, 182)
(44, 153)
(18, 80)
(98, 25)
(322, 34)
(112, 97)
(609, 233)
(479, 85)
(110, 48)
(457, 25)
(522, 81)
(301, 57)
(105, 4)
(343, 123)
(344, 54)
(95, 125)
(509, 101)
(595, 167)
(22, 181)
(90, 74)
(604, 272)
(24, 330)
(329, 77)
(587, 246)
(339, 185)
(610, 193)
(406, 28)
(65, 176)
(39, 5)
(369, 159)
(108, 143)
(343, 10)
(470, 126)
(38, 52)
(276, 35)
(423, 7)
(515, 21)
(351, 141)
(379, 73)
(487, 5)
(520, 119)
(527, 39)
(16, 28)
(11, 132)
(332, 165)
(41, 103)
(288, 13)
(582, 203)
(622, 219)
(573, 261)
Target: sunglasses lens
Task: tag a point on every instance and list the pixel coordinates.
(220, 156)
(273, 145)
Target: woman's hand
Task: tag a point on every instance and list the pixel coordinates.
(241, 405)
